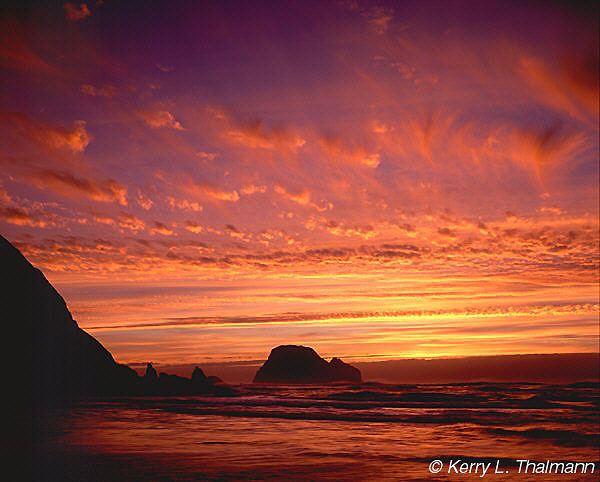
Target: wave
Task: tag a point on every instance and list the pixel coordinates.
(566, 438)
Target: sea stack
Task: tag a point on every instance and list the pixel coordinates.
(294, 364)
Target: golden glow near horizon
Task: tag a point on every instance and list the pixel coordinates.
(406, 181)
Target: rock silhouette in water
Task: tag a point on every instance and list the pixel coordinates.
(301, 364)
(57, 360)
(198, 375)
(150, 374)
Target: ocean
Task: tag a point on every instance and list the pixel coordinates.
(337, 432)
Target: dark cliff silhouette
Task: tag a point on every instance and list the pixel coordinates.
(55, 359)
(301, 364)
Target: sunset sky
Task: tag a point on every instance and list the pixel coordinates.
(203, 181)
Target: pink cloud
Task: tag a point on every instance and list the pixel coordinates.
(161, 119)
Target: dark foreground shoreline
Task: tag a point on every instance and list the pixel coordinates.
(366, 431)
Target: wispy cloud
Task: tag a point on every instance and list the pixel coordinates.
(254, 135)
(161, 119)
(379, 19)
(74, 138)
(104, 91)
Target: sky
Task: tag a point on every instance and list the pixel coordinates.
(203, 181)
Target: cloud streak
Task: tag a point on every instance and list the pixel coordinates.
(68, 184)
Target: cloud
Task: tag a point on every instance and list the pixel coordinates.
(123, 220)
(542, 150)
(382, 318)
(379, 19)
(580, 72)
(165, 68)
(184, 204)
(357, 154)
(129, 221)
(74, 12)
(160, 228)
(301, 197)
(253, 135)
(193, 227)
(74, 138)
(144, 201)
(571, 88)
(253, 189)
(161, 119)
(379, 127)
(105, 91)
(207, 190)
(547, 249)
(66, 183)
(270, 235)
(446, 232)
(206, 156)
(234, 232)
(545, 145)
(338, 228)
(17, 54)
(21, 217)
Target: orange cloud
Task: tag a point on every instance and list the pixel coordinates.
(540, 148)
(207, 156)
(160, 228)
(21, 217)
(184, 204)
(573, 88)
(354, 155)
(129, 221)
(74, 138)
(213, 192)
(254, 136)
(66, 183)
(253, 189)
(144, 201)
(338, 228)
(234, 232)
(300, 197)
(193, 227)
